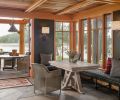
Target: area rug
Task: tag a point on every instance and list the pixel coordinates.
(16, 82)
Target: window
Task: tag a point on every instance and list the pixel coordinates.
(62, 39)
(85, 32)
(108, 21)
(96, 38)
(77, 35)
(27, 37)
(8, 40)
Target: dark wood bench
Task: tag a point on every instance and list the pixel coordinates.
(100, 75)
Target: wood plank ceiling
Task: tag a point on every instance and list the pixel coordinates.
(54, 6)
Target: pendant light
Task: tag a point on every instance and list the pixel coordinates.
(12, 28)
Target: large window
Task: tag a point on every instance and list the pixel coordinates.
(96, 38)
(85, 32)
(8, 40)
(108, 31)
(62, 40)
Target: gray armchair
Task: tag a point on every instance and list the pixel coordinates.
(46, 81)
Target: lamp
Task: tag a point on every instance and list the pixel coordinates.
(115, 25)
(45, 32)
(12, 28)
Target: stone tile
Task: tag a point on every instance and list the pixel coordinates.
(27, 93)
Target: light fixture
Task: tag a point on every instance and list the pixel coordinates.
(45, 32)
(115, 25)
(12, 28)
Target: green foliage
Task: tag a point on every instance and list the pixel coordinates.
(13, 38)
(10, 38)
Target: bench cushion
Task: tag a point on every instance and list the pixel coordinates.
(99, 74)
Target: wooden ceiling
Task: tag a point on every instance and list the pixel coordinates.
(54, 6)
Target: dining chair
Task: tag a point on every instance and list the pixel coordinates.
(46, 81)
(23, 64)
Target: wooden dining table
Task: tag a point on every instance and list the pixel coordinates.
(72, 76)
(3, 57)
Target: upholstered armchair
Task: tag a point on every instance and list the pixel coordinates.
(46, 81)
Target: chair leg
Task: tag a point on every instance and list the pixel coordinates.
(60, 92)
(96, 85)
(119, 93)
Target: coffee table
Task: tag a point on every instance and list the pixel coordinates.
(72, 76)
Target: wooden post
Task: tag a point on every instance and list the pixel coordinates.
(21, 43)
(104, 43)
(89, 42)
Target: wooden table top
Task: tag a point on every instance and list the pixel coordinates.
(8, 56)
(74, 67)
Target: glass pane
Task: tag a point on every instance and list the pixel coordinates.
(77, 35)
(58, 45)
(27, 38)
(108, 21)
(94, 46)
(66, 41)
(77, 40)
(66, 26)
(58, 26)
(77, 26)
(99, 23)
(93, 23)
(85, 24)
(109, 43)
(100, 46)
(8, 40)
(85, 45)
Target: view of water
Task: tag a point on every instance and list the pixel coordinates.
(7, 47)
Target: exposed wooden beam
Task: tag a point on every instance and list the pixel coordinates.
(109, 1)
(77, 6)
(14, 4)
(7, 21)
(35, 5)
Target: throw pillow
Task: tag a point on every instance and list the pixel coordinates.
(45, 58)
(115, 70)
(109, 65)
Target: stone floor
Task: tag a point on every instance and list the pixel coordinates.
(26, 93)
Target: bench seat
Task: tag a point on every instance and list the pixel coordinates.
(99, 74)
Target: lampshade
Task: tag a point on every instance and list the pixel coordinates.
(115, 25)
(45, 30)
(12, 28)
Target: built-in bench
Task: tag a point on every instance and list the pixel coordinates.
(100, 75)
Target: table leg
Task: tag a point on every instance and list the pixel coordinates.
(72, 80)
(2, 63)
(15, 63)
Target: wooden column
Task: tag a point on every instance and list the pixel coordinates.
(89, 41)
(21, 43)
(81, 45)
(104, 43)
(74, 36)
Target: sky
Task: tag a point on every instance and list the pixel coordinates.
(4, 29)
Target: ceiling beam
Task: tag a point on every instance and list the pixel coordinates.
(109, 1)
(14, 4)
(8, 21)
(35, 5)
(77, 6)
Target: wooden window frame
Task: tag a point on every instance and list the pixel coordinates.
(62, 31)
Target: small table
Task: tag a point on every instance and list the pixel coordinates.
(72, 76)
(3, 57)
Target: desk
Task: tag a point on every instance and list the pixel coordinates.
(72, 76)
(3, 57)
